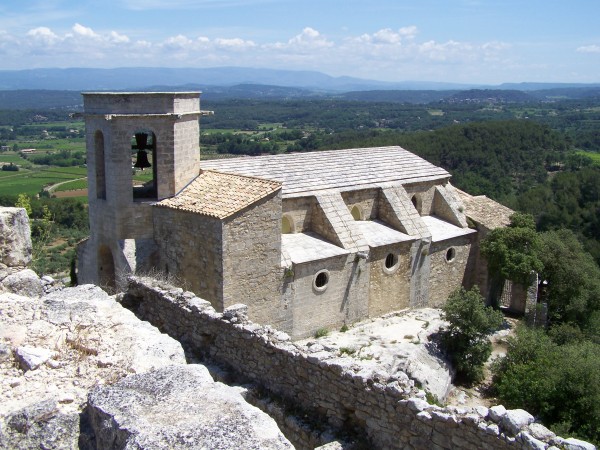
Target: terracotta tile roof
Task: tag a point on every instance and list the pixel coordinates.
(219, 194)
(306, 173)
(485, 211)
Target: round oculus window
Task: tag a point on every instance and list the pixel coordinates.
(390, 263)
(321, 280)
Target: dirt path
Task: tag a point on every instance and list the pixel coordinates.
(53, 187)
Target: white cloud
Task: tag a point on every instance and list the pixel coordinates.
(388, 36)
(447, 50)
(43, 34)
(179, 41)
(234, 44)
(84, 31)
(117, 38)
(309, 38)
(589, 49)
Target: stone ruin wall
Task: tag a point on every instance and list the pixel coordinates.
(391, 412)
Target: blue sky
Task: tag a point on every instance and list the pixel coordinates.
(470, 41)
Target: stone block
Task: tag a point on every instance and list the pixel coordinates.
(516, 419)
(15, 237)
(576, 444)
(497, 413)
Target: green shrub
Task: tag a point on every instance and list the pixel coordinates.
(321, 332)
(466, 339)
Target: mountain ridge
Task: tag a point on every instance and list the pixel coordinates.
(125, 78)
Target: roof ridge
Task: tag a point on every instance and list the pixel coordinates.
(267, 180)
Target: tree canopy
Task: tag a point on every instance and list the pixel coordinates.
(465, 340)
(513, 252)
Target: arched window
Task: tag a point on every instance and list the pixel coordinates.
(143, 149)
(356, 213)
(450, 254)
(287, 226)
(100, 167)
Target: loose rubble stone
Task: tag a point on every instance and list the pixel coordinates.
(497, 413)
(516, 419)
(31, 358)
(237, 313)
(531, 442)
(576, 444)
(539, 431)
(25, 282)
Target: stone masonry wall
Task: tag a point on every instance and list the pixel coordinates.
(425, 191)
(447, 276)
(330, 386)
(366, 200)
(298, 210)
(341, 302)
(190, 247)
(252, 271)
(389, 290)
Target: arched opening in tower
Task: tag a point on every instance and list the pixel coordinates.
(143, 153)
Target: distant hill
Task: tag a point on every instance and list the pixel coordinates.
(528, 86)
(575, 93)
(492, 95)
(141, 78)
(41, 99)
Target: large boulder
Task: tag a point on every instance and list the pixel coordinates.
(178, 407)
(24, 282)
(15, 237)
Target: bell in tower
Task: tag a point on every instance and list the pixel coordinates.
(141, 162)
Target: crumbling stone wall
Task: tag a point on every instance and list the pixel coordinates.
(390, 411)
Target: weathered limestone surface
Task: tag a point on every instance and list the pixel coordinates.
(388, 410)
(15, 237)
(178, 407)
(54, 348)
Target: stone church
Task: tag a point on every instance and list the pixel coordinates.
(306, 240)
